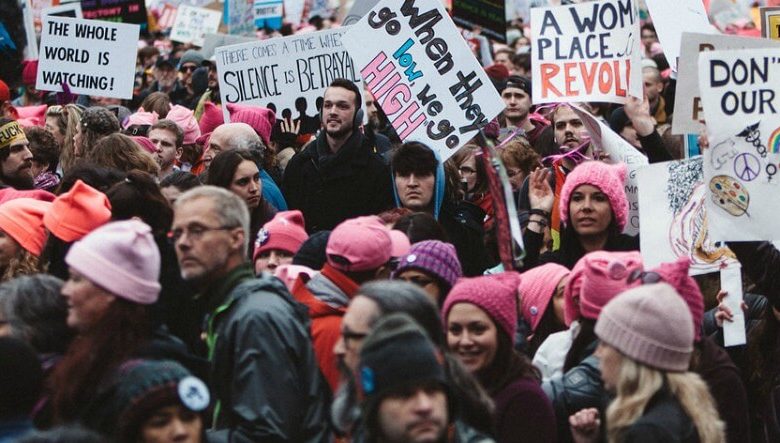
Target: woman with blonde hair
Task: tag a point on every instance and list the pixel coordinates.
(646, 343)
(63, 122)
(22, 235)
(121, 152)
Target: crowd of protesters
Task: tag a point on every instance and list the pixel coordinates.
(169, 277)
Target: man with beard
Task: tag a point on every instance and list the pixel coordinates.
(337, 176)
(15, 156)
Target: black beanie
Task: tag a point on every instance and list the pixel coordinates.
(21, 378)
(618, 120)
(312, 252)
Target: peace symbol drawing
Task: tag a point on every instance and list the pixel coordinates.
(747, 166)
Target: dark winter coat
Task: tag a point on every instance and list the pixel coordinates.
(522, 409)
(664, 421)
(330, 188)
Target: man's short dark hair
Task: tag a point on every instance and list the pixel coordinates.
(170, 125)
(43, 147)
(346, 84)
(414, 157)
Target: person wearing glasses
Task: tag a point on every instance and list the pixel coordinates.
(266, 383)
(184, 94)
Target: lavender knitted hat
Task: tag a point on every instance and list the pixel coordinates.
(434, 257)
(495, 294)
(609, 179)
(650, 324)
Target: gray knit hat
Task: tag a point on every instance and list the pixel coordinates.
(650, 324)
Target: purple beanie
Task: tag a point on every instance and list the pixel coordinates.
(122, 258)
(495, 294)
(434, 257)
(650, 324)
(610, 179)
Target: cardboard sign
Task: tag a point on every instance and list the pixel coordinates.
(770, 22)
(240, 17)
(688, 110)
(193, 23)
(489, 15)
(586, 52)
(743, 124)
(673, 17)
(123, 11)
(286, 74)
(673, 217)
(268, 13)
(422, 74)
(620, 151)
(93, 57)
(72, 10)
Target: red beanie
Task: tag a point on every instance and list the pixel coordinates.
(676, 274)
(596, 279)
(22, 219)
(285, 231)
(30, 72)
(5, 93)
(495, 294)
(260, 119)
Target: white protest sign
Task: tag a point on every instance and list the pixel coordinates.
(673, 217)
(743, 124)
(620, 151)
(30, 51)
(358, 10)
(93, 57)
(673, 17)
(213, 41)
(287, 74)
(688, 111)
(72, 10)
(586, 52)
(293, 11)
(193, 23)
(422, 74)
(240, 17)
(733, 331)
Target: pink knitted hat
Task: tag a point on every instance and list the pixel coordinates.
(676, 274)
(145, 144)
(260, 119)
(610, 179)
(185, 119)
(286, 231)
(141, 118)
(29, 116)
(77, 212)
(364, 243)
(596, 279)
(211, 118)
(650, 324)
(22, 219)
(537, 288)
(122, 258)
(495, 294)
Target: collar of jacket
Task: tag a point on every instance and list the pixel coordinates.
(217, 293)
(351, 158)
(340, 279)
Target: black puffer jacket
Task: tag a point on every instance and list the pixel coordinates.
(264, 374)
(330, 188)
(663, 421)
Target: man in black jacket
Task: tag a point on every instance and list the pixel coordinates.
(264, 375)
(337, 176)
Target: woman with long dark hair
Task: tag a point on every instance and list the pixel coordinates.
(480, 315)
(237, 171)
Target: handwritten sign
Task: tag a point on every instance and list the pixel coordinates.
(770, 22)
(92, 57)
(72, 10)
(422, 73)
(193, 23)
(287, 74)
(240, 17)
(268, 13)
(586, 52)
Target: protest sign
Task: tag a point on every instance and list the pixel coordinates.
(193, 23)
(770, 22)
(422, 74)
(358, 10)
(213, 41)
(673, 17)
(743, 126)
(123, 11)
(72, 10)
(293, 11)
(488, 15)
(734, 333)
(36, 9)
(239, 16)
(268, 13)
(673, 217)
(586, 52)
(607, 141)
(688, 111)
(93, 57)
(286, 74)
(30, 51)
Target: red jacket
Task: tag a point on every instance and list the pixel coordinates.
(326, 318)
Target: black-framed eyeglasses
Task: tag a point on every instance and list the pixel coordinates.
(188, 68)
(647, 278)
(194, 232)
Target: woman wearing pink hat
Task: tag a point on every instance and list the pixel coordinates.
(541, 302)
(593, 212)
(480, 316)
(278, 241)
(22, 236)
